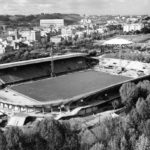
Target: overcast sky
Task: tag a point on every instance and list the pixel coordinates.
(97, 7)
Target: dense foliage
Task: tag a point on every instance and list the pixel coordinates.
(47, 134)
(43, 48)
(33, 20)
(129, 55)
(129, 131)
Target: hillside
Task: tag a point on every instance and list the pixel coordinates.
(32, 20)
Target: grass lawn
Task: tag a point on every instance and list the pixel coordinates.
(68, 86)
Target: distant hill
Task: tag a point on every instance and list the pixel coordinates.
(31, 20)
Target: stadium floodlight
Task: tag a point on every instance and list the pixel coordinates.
(54, 40)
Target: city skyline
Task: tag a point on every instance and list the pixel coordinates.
(89, 7)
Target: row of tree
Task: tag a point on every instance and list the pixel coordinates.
(47, 134)
(142, 57)
(130, 131)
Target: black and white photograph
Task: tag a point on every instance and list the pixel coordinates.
(75, 75)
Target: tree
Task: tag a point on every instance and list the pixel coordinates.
(147, 129)
(75, 37)
(142, 143)
(133, 120)
(25, 55)
(114, 143)
(3, 143)
(116, 104)
(71, 137)
(148, 99)
(144, 88)
(43, 42)
(124, 143)
(98, 146)
(143, 108)
(14, 139)
(50, 130)
(129, 94)
(88, 138)
(33, 141)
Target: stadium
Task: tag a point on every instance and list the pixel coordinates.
(77, 91)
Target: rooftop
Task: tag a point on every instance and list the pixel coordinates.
(40, 60)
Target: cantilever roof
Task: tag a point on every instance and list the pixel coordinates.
(40, 60)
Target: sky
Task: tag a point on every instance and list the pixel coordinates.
(88, 7)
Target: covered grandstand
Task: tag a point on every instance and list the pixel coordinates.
(63, 93)
(22, 71)
(68, 95)
(85, 91)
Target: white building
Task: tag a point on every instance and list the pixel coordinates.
(31, 35)
(101, 30)
(68, 31)
(86, 21)
(12, 32)
(2, 49)
(56, 39)
(52, 22)
(80, 34)
(131, 19)
(132, 27)
(110, 22)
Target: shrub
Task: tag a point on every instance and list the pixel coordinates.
(129, 94)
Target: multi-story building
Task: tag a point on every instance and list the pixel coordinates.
(31, 35)
(132, 19)
(86, 21)
(68, 31)
(51, 22)
(132, 27)
(2, 49)
(112, 22)
(101, 30)
(13, 33)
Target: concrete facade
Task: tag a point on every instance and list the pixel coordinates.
(132, 27)
(52, 22)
